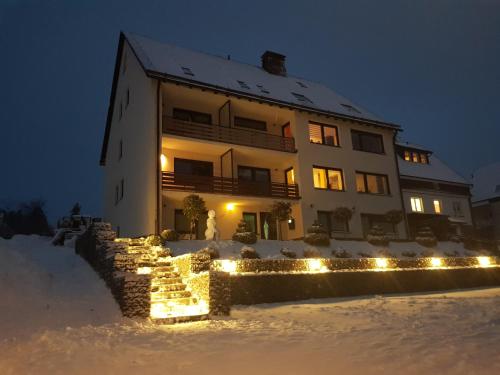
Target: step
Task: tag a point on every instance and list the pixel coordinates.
(175, 294)
(160, 311)
(161, 269)
(165, 275)
(175, 302)
(181, 319)
(168, 288)
(166, 281)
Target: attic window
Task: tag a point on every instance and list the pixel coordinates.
(302, 98)
(350, 108)
(263, 89)
(301, 84)
(243, 85)
(187, 71)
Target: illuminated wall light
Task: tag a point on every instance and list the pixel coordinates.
(227, 265)
(163, 161)
(484, 261)
(436, 262)
(316, 265)
(143, 270)
(381, 263)
(230, 206)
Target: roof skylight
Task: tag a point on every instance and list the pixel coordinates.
(187, 71)
(243, 85)
(263, 89)
(302, 98)
(301, 84)
(350, 108)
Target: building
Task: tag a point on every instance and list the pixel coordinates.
(486, 200)
(241, 137)
(434, 195)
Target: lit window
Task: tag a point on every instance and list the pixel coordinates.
(424, 159)
(417, 204)
(290, 176)
(328, 178)
(437, 206)
(414, 157)
(323, 134)
(302, 98)
(372, 183)
(407, 156)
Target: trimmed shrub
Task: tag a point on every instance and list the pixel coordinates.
(312, 252)
(288, 253)
(409, 254)
(243, 235)
(317, 235)
(426, 237)
(169, 235)
(341, 254)
(212, 252)
(377, 236)
(248, 252)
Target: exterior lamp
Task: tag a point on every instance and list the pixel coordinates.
(436, 262)
(230, 206)
(163, 161)
(484, 261)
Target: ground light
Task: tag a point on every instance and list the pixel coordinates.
(316, 265)
(436, 262)
(143, 270)
(381, 263)
(484, 261)
(228, 265)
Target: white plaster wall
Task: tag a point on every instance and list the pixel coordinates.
(135, 214)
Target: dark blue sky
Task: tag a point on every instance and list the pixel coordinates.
(432, 66)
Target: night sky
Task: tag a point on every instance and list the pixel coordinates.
(431, 66)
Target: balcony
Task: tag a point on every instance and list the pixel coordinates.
(227, 135)
(228, 186)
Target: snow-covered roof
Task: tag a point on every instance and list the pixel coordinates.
(413, 146)
(168, 60)
(435, 170)
(486, 182)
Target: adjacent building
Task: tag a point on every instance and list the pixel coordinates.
(434, 194)
(240, 136)
(486, 200)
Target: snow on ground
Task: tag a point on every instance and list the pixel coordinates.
(82, 332)
(271, 248)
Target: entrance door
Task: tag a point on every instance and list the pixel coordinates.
(273, 233)
(251, 219)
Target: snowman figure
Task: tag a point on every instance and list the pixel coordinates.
(211, 232)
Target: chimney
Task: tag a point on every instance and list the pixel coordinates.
(274, 63)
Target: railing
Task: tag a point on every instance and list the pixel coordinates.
(229, 186)
(228, 135)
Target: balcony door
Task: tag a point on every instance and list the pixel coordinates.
(254, 181)
(194, 175)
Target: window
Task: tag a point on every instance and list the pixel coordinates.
(417, 204)
(328, 178)
(350, 108)
(329, 222)
(437, 206)
(414, 156)
(120, 150)
(424, 159)
(192, 116)
(368, 142)
(286, 131)
(248, 123)
(407, 155)
(301, 84)
(457, 209)
(263, 89)
(187, 71)
(193, 167)
(251, 219)
(254, 174)
(290, 176)
(323, 134)
(372, 183)
(302, 98)
(127, 102)
(243, 85)
(368, 221)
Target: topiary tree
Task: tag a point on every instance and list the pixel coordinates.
(377, 236)
(394, 216)
(193, 208)
(243, 234)
(317, 235)
(426, 237)
(280, 211)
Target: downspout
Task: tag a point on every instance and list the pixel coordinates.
(405, 218)
(158, 161)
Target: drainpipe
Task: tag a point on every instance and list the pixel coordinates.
(405, 218)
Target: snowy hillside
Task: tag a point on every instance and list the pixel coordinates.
(57, 317)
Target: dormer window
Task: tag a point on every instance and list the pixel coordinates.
(187, 71)
(302, 98)
(416, 157)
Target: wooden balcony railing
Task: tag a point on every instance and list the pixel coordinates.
(229, 186)
(228, 135)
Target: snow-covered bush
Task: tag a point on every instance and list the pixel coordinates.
(455, 238)
(362, 254)
(169, 235)
(317, 235)
(409, 254)
(427, 253)
(377, 236)
(165, 252)
(426, 237)
(243, 235)
(341, 253)
(288, 253)
(153, 240)
(248, 252)
(211, 251)
(384, 253)
(451, 254)
(311, 252)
